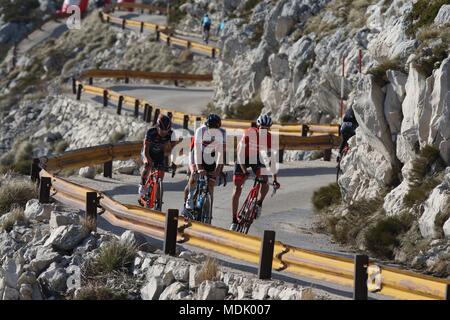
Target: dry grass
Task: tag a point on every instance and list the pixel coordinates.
(326, 196)
(16, 214)
(100, 293)
(16, 192)
(423, 13)
(209, 270)
(379, 71)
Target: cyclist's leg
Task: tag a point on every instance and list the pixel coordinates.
(210, 169)
(159, 165)
(189, 204)
(264, 185)
(238, 180)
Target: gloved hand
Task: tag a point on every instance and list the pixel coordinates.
(276, 185)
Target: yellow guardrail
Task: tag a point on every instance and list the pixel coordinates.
(161, 33)
(178, 117)
(109, 73)
(307, 263)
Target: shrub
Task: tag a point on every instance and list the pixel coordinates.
(16, 214)
(16, 192)
(209, 270)
(423, 13)
(382, 238)
(114, 256)
(249, 111)
(100, 293)
(326, 196)
(379, 71)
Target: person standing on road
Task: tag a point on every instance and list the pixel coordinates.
(206, 27)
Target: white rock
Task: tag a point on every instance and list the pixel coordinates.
(9, 271)
(54, 279)
(137, 239)
(443, 15)
(126, 167)
(87, 172)
(296, 294)
(66, 238)
(153, 289)
(37, 211)
(26, 292)
(438, 202)
(171, 292)
(10, 294)
(212, 290)
(44, 257)
(194, 271)
(58, 219)
(181, 273)
(260, 291)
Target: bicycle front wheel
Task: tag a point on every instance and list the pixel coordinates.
(159, 199)
(207, 209)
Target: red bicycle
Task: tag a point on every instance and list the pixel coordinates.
(247, 214)
(154, 184)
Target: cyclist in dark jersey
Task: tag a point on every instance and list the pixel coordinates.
(348, 127)
(157, 142)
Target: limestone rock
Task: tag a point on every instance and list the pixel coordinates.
(153, 289)
(212, 290)
(66, 238)
(87, 172)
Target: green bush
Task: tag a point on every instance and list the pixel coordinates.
(16, 192)
(382, 238)
(326, 196)
(423, 13)
(115, 256)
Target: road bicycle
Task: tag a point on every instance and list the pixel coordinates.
(344, 152)
(247, 213)
(154, 184)
(202, 210)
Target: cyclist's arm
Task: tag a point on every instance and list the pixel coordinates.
(147, 157)
(241, 154)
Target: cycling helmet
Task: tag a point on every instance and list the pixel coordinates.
(264, 120)
(164, 122)
(213, 121)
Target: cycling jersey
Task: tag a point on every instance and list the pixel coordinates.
(209, 143)
(252, 145)
(156, 146)
(206, 22)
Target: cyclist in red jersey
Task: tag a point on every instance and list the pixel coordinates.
(250, 148)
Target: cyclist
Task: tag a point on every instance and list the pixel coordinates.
(157, 143)
(252, 149)
(206, 26)
(205, 143)
(220, 27)
(348, 127)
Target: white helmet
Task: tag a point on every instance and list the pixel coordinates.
(264, 120)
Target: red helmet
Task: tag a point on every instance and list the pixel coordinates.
(164, 122)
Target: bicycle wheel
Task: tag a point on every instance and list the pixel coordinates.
(206, 211)
(159, 200)
(245, 217)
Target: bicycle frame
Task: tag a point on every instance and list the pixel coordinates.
(152, 182)
(247, 213)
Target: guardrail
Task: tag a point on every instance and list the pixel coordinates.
(141, 6)
(185, 119)
(360, 273)
(127, 74)
(163, 34)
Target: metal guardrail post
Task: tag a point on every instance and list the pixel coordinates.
(176, 83)
(305, 130)
(198, 120)
(447, 292)
(360, 291)
(186, 122)
(168, 40)
(266, 255)
(100, 14)
(155, 118)
(148, 117)
(91, 81)
(253, 124)
(327, 155)
(91, 210)
(80, 88)
(158, 34)
(170, 238)
(189, 44)
(127, 80)
(213, 53)
(136, 108)
(74, 86)
(119, 105)
(142, 27)
(44, 190)
(35, 169)
(123, 23)
(107, 169)
(105, 98)
(144, 115)
(281, 155)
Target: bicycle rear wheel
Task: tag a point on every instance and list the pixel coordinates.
(159, 200)
(206, 211)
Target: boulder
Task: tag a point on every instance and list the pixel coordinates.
(260, 291)
(296, 294)
(212, 290)
(26, 292)
(137, 239)
(44, 257)
(157, 270)
(87, 172)
(58, 219)
(443, 15)
(37, 211)
(171, 292)
(66, 238)
(9, 271)
(181, 273)
(153, 289)
(54, 280)
(127, 167)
